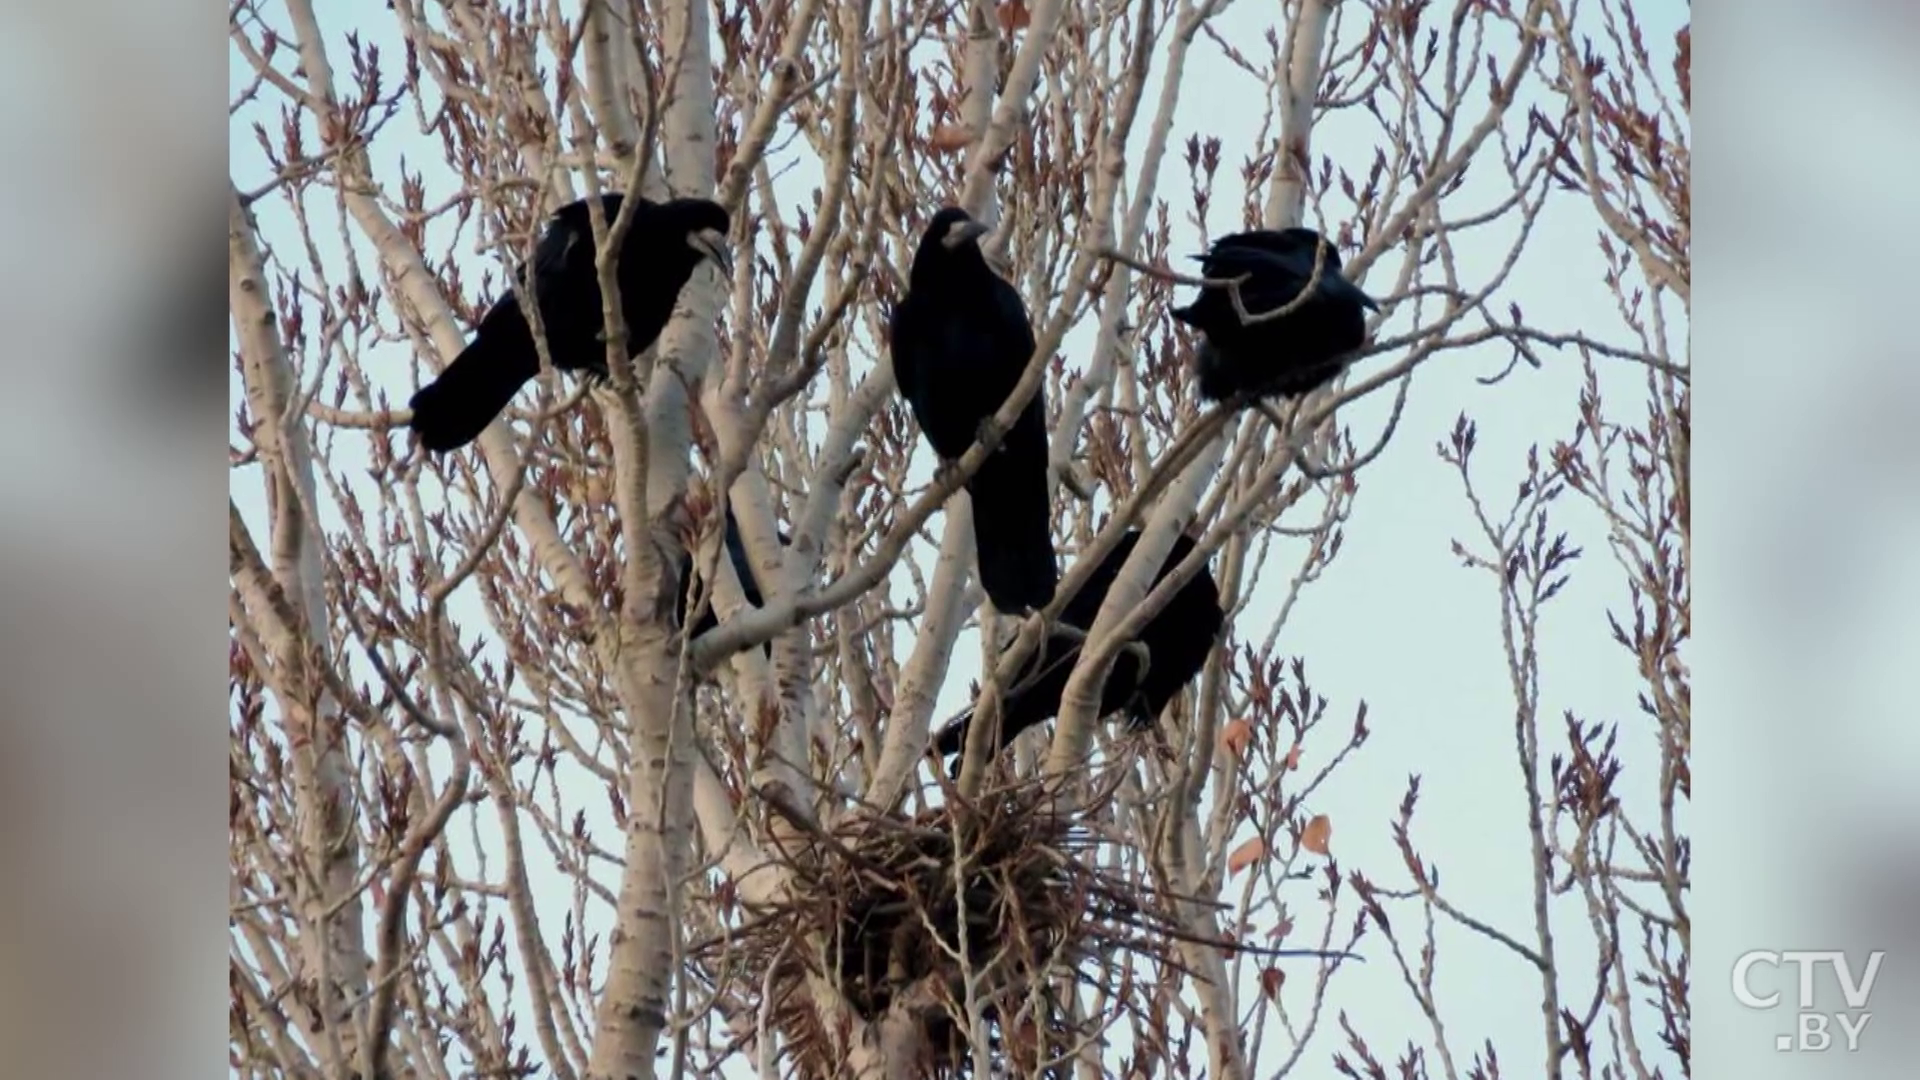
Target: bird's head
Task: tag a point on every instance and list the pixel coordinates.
(950, 242)
(954, 228)
(705, 224)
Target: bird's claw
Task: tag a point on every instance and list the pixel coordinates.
(1070, 632)
(987, 431)
(1078, 479)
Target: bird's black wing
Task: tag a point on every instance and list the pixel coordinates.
(955, 358)
(566, 249)
(1179, 639)
(1274, 278)
(904, 351)
(1292, 255)
(1012, 514)
(1085, 605)
(742, 566)
(1013, 329)
(557, 253)
(1047, 673)
(1013, 518)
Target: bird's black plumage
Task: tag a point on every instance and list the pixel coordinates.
(742, 569)
(959, 340)
(1177, 641)
(660, 251)
(1283, 357)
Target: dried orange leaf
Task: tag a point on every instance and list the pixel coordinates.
(1246, 855)
(1236, 736)
(1293, 757)
(1271, 980)
(949, 137)
(1014, 15)
(1315, 836)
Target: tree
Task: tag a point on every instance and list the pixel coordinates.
(493, 814)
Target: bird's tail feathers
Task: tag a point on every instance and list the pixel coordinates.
(455, 408)
(1140, 715)
(952, 738)
(1013, 529)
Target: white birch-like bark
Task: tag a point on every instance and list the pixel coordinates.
(1307, 41)
(651, 469)
(334, 958)
(606, 50)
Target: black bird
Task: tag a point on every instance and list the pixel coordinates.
(1283, 357)
(959, 340)
(1177, 641)
(742, 568)
(661, 249)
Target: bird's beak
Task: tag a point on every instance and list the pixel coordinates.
(962, 231)
(1335, 285)
(712, 244)
(1353, 292)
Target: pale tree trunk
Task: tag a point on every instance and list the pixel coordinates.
(294, 623)
(650, 476)
(608, 55)
(1306, 44)
(781, 690)
(635, 1005)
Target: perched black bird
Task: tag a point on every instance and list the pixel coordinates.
(742, 568)
(1177, 641)
(662, 247)
(959, 340)
(1283, 357)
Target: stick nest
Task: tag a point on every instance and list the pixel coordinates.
(876, 916)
